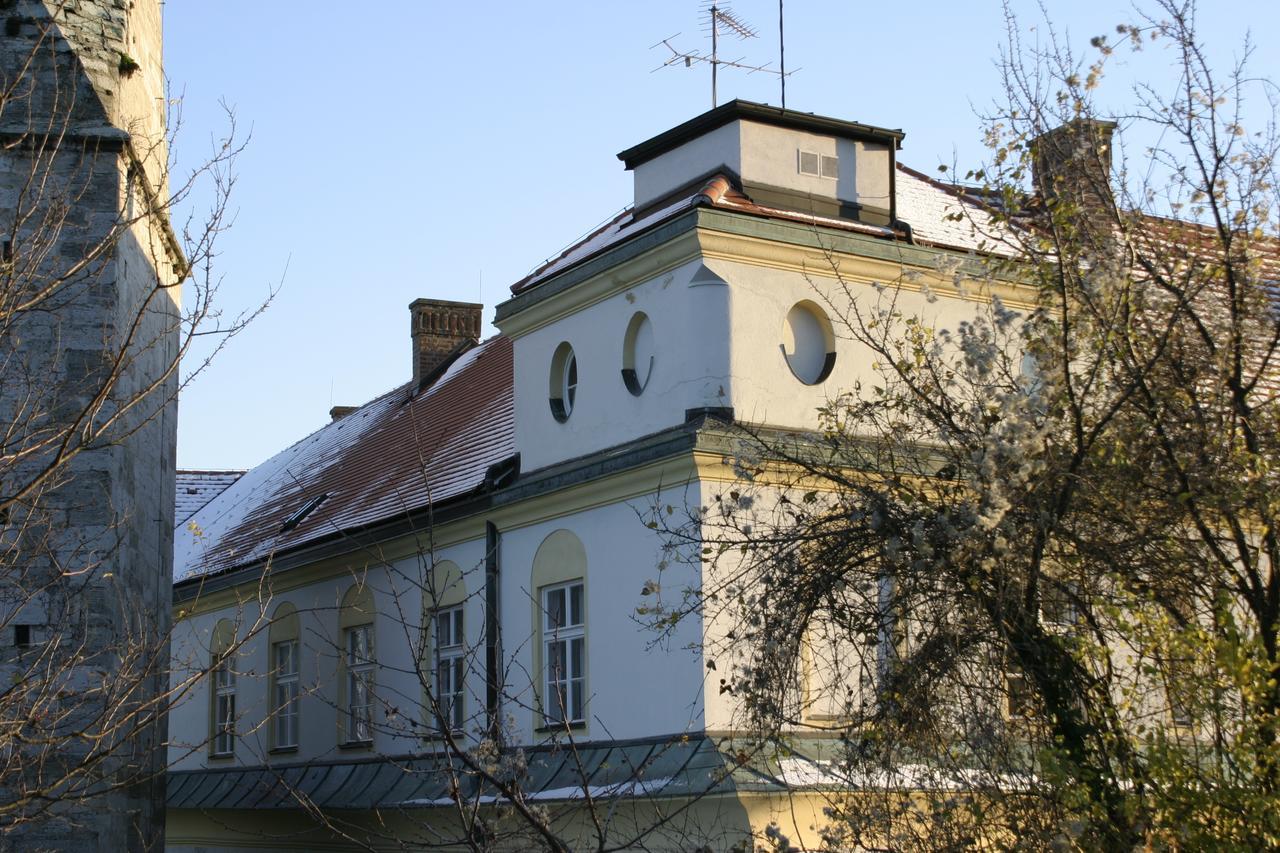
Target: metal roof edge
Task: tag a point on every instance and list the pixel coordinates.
(636, 244)
(752, 111)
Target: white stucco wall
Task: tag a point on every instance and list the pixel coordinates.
(638, 683)
(636, 686)
(398, 601)
(689, 316)
(767, 155)
(764, 389)
(670, 171)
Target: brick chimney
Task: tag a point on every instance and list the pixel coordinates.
(1073, 163)
(438, 327)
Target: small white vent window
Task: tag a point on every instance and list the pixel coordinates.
(818, 165)
(808, 163)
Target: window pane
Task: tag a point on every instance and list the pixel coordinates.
(442, 628)
(575, 604)
(555, 659)
(555, 701)
(457, 697)
(555, 609)
(457, 627)
(359, 644)
(575, 707)
(575, 658)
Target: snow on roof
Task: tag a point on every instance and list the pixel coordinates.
(945, 215)
(391, 456)
(194, 489)
(922, 203)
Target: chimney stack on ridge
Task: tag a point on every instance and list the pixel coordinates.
(1073, 163)
(438, 328)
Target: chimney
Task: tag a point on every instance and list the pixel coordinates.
(1073, 163)
(438, 328)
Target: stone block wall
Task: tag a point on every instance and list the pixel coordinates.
(89, 337)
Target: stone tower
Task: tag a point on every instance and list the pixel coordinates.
(89, 341)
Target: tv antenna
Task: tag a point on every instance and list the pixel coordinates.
(721, 20)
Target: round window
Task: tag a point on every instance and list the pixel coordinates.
(808, 343)
(637, 353)
(564, 382)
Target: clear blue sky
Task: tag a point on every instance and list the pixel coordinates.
(405, 149)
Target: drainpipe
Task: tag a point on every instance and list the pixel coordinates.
(492, 636)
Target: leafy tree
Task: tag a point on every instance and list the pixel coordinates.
(1033, 568)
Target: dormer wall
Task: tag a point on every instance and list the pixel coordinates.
(679, 362)
(816, 173)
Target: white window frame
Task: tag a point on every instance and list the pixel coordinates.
(450, 667)
(360, 666)
(224, 706)
(569, 382)
(285, 722)
(564, 682)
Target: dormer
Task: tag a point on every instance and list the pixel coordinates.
(782, 159)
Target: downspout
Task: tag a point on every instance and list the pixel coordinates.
(492, 635)
(893, 184)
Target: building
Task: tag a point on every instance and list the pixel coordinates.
(89, 343)
(460, 562)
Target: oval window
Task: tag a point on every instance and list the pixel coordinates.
(808, 343)
(637, 353)
(564, 382)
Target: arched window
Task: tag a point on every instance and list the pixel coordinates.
(283, 647)
(446, 654)
(222, 701)
(356, 669)
(560, 623)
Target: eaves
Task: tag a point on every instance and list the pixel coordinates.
(624, 262)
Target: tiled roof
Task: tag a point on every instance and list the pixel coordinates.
(194, 489)
(922, 203)
(947, 216)
(393, 455)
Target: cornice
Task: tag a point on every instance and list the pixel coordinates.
(811, 250)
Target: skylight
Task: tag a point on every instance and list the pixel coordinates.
(303, 511)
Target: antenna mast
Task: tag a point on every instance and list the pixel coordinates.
(720, 18)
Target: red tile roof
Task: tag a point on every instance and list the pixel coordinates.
(391, 456)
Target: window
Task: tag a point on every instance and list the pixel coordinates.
(450, 677)
(637, 353)
(808, 342)
(357, 667)
(564, 382)
(284, 658)
(284, 667)
(224, 692)
(359, 656)
(564, 654)
(222, 740)
(559, 628)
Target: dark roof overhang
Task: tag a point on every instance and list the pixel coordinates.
(763, 113)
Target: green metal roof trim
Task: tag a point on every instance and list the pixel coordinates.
(666, 767)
